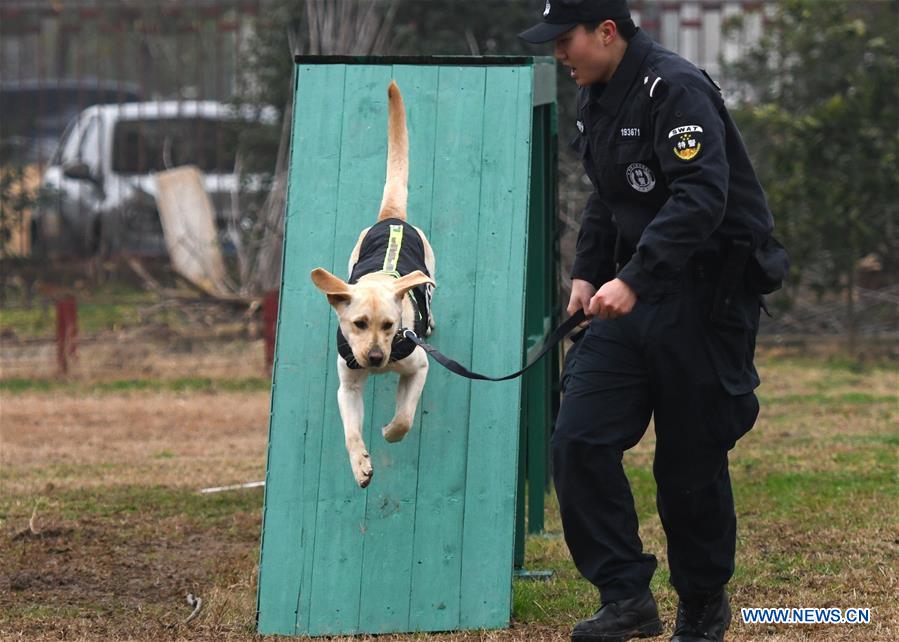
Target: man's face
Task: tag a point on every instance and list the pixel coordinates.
(587, 54)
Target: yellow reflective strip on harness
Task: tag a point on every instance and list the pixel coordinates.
(392, 257)
(394, 244)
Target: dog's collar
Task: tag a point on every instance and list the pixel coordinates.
(401, 347)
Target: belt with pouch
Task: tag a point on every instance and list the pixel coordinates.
(728, 274)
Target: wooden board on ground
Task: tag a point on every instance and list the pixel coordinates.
(188, 223)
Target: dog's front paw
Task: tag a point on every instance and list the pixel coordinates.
(362, 470)
(395, 430)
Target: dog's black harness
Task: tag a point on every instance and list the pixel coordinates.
(393, 247)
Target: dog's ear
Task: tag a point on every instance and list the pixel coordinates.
(406, 283)
(337, 290)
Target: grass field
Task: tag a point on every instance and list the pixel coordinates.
(108, 472)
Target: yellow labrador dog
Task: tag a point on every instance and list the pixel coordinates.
(391, 277)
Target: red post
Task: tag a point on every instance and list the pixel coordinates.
(66, 332)
(269, 323)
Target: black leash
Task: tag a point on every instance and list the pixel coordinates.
(454, 366)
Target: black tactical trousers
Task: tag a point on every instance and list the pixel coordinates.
(664, 359)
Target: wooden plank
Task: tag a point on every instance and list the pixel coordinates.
(552, 281)
(297, 400)
(337, 557)
(437, 538)
(521, 493)
(390, 513)
(317, 85)
(490, 487)
(423, 61)
(537, 324)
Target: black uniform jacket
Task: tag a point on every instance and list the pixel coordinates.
(670, 171)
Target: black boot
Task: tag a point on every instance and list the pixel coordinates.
(702, 619)
(636, 617)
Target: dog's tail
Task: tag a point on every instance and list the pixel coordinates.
(396, 189)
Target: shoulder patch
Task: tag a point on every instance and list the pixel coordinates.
(686, 141)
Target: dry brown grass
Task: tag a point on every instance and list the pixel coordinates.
(136, 352)
(175, 440)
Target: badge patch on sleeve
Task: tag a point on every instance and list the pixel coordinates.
(687, 141)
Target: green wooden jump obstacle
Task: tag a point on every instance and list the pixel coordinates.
(431, 544)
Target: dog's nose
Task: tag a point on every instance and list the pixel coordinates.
(375, 357)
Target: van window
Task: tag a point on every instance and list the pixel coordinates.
(89, 149)
(68, 147)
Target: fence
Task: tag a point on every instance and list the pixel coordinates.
(56, 58)
(65, 56)
(116, 332)
(180, 61)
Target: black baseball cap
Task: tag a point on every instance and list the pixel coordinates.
(560, 16)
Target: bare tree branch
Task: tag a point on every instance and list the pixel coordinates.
(331, 27)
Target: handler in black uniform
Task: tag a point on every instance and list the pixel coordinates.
(674, 252)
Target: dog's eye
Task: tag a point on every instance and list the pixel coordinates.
(387, 325)
(360, 324)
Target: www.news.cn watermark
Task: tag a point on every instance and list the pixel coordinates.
(783, 615)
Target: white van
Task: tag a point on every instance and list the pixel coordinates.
(99, 190)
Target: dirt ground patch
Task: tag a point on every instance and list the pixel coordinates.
(175, 440)
(122, 536)
(120, 576)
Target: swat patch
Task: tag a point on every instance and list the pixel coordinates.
(687, 141)
(640, 177)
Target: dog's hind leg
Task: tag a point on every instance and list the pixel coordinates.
(352, 410)
(413, 373)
